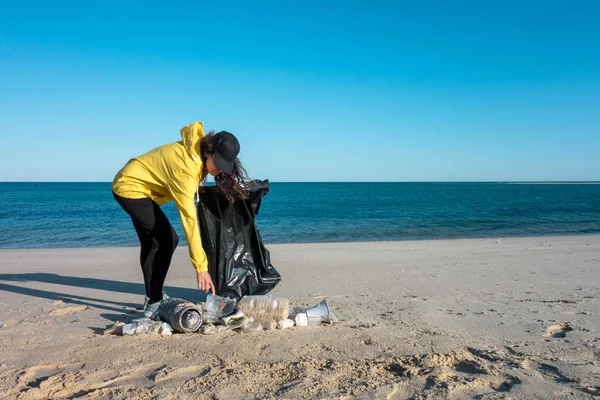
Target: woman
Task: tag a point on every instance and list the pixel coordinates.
(174, 172)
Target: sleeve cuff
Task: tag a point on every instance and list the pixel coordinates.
(201, 268)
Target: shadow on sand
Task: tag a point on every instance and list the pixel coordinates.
(120, 309)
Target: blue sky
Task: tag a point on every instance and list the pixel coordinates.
(315, 91)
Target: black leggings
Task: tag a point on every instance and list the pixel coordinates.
(158, 240)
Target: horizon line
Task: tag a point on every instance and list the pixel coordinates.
(458, 181)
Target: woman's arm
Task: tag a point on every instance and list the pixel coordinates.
(183, 190)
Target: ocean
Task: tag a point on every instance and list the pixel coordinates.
(47, 215)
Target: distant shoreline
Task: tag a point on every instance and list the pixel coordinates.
(550, 183)
(377, 182)
(358, 242)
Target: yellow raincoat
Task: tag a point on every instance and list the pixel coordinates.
(170, 172)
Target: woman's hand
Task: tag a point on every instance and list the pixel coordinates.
(205, 282)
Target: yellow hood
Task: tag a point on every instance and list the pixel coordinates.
(191, 135)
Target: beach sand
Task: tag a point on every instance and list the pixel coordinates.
(486, 319)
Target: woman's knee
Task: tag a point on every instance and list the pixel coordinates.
(169, 241)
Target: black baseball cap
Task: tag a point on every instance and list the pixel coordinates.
(227, 149)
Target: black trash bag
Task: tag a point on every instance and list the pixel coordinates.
(238, 262)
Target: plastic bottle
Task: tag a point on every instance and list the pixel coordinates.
(265, 307)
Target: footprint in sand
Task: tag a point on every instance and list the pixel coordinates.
(66, 382)
(170, 376)
(32, 379)
(33, 376)
(66, 385)
(55, 381)
(558, 331)
(61, 312)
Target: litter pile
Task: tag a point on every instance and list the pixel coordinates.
(251, 314)
(241, 270)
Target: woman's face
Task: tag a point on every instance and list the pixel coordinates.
(210, 165)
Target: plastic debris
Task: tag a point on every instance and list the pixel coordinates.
(319, 313)
(211, 318)
(184, 316)
(116, 329)
(268, 324)
(333, 318)
(187, 316)
(233, 317)
(265, 307)
(253, 327)
(208, 329)
(241, 323)
(301, 319)
(285, 324)
(219, 306)
(147, 327)
(213, 329)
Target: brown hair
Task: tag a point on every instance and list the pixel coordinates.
(231, 185)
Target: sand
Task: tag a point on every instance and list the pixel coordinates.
(484, 319)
